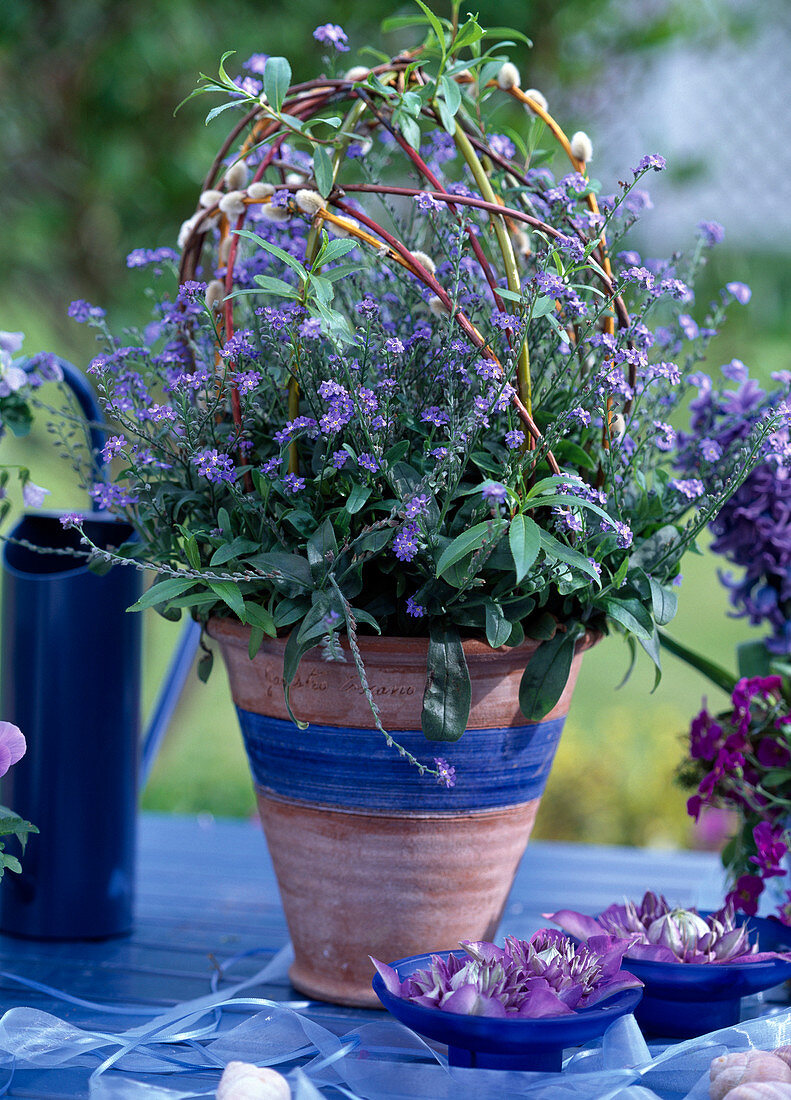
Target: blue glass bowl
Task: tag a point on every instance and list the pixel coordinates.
(492, 1043)
(681, 1000)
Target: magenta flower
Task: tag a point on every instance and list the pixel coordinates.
(654, 932)
(745, 893)
(12, 746)
(770, 847)
(547, 975)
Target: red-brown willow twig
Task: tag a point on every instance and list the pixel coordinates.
(464, 323)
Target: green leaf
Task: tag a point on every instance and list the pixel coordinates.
(290, 611)
(451, 93)
(498, 629)
(334, 250)
(299, 642)
(373, 542)
(277, 79)
(570, 453)
(259, 618)
(507, 32)
(237, 548)
(273, 249)
(776, 778)
(753, 659)
(664, 602)
(446, 116)
(322, 550)
(271, 285)
(630, 613)
(545, 676)
(446, 700)
(162, 591)
(620, 573)
(10, 863)
(205, 666)
(468, 35)
(223, 107)
(410, 130)
(357, 498)
(463, 544)
(436, 26)
(400, 22)
(524, 539)
(322, 170)
(653, 649)
(558, 551)
(542, 307)
(341, 271)
(291, 567)
(571, 500)
(656, 546)
(192, 551)
(255, 642)
(229, 593)
(541, 627)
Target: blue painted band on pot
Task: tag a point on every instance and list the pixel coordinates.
(355, 769)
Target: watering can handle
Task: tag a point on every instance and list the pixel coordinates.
(187, 645)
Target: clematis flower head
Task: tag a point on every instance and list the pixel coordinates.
(653, 931)
(547, 975)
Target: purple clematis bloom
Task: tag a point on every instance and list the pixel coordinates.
(547, 975)
(12, 746)
(652, 931)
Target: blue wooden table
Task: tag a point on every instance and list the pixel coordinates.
(206, 892)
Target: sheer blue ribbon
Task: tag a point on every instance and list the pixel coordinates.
(378, 1061)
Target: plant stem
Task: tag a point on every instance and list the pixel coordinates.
(716, 673)
(524, 383)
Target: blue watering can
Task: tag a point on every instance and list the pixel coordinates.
(71, 672)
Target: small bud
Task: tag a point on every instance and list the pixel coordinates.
(357, 72)
(310, 202)
(293, 178)
(522, 242)
(232, 204)
(186, 230)
(465, 77)
(341, 228)
(617, 425)
(538, 97)
(275, 213)
(215, 292)
(210, 198)
(582, 146)
(259, 191)
(437, 306)
(237, 176)
(225, 250)
(508, 77)
(426, 261)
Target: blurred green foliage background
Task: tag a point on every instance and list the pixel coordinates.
(93, 163)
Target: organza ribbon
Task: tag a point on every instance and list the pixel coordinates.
(381, 1060)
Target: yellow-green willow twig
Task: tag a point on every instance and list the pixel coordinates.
(524, 382)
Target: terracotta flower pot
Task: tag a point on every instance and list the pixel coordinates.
(371, 858)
